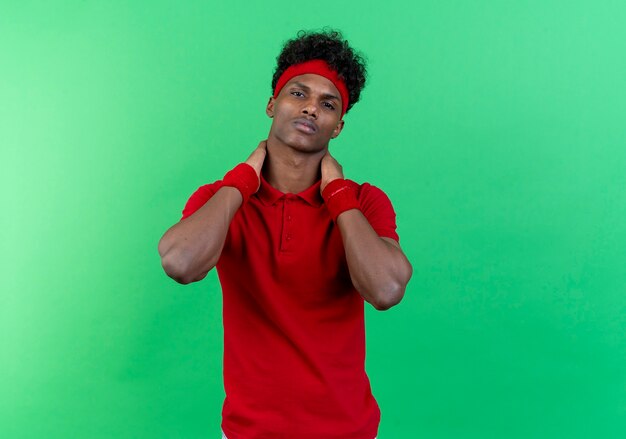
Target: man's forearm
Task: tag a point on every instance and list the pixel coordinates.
(192, 247)
(378, 268)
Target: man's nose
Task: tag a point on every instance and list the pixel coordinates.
(310, 109)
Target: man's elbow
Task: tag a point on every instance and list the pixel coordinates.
(175, 268)
(389, 298)
(393, 291)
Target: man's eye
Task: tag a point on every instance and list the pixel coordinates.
(297, 93)
(329, 105)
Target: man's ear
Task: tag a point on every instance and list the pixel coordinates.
(269, 110)
(338, 129)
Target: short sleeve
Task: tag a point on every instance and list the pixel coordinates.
(200, 197)
(377, 208)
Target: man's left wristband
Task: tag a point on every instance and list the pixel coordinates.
(243, 178)
(340, 195)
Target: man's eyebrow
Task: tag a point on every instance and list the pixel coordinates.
(307, 88)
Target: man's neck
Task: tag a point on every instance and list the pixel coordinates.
(291, 171)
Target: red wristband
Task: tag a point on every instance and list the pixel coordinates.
(243, 178)
(340, 195)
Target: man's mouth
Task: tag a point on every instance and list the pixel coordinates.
(305, 125)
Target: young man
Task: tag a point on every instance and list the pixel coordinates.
(298, 250)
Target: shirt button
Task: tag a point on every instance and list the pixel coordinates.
(288, 217)
(288, 237)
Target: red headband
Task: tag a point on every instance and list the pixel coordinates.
(317, 67)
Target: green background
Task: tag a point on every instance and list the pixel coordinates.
(496, 128)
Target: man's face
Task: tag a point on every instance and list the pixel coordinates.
(306, 113)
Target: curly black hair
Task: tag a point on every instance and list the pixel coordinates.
(330, 46)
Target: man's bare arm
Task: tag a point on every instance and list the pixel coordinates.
(192, 247)
(378, 267)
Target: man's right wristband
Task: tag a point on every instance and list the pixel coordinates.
(243, 178)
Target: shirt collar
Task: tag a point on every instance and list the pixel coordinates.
(270, 195)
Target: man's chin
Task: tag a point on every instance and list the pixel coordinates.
(303, 143)
(307, 147)
(309, 150)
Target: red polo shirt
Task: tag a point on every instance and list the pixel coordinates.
(294, 333)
